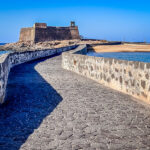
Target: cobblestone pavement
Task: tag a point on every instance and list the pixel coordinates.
(51, 108)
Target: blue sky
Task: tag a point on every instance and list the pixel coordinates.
(111, 20)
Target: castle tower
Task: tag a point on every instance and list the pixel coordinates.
(72, 24)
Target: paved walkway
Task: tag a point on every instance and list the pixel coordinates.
(51, 108)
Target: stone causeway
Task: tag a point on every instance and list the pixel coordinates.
(50, 108)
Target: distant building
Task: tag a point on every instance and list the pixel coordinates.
(40, 32)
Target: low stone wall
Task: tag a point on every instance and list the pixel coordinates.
(9, 60)
(130, 77)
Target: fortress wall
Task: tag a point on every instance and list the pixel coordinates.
(130, 77)
(41, 33)
(56, 33)
(52, 33)
(74, 32)
(9, 60)
(27, 34)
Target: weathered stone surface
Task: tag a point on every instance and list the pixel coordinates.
(126, 76)
(143, 84)
(51, 108)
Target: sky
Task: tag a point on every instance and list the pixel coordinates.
(115, 20)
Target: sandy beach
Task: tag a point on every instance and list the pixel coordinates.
(122, 48)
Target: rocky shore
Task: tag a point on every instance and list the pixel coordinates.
(28, 46)
(94, 45)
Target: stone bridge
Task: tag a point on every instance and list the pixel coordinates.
(51, 108)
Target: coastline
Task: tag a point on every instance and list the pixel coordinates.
(121, 48)
(29, 46)
(92, 45)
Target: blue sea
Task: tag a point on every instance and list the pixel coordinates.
(3, 52)
(131, 56)
(2, 43)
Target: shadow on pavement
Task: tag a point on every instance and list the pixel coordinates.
(29, 100)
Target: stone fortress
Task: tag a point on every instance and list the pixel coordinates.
(40, 32)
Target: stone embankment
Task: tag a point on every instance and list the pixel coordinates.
(125, 76)
(9, 60)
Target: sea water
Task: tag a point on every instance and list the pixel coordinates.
(3, 52)
(130, 56)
